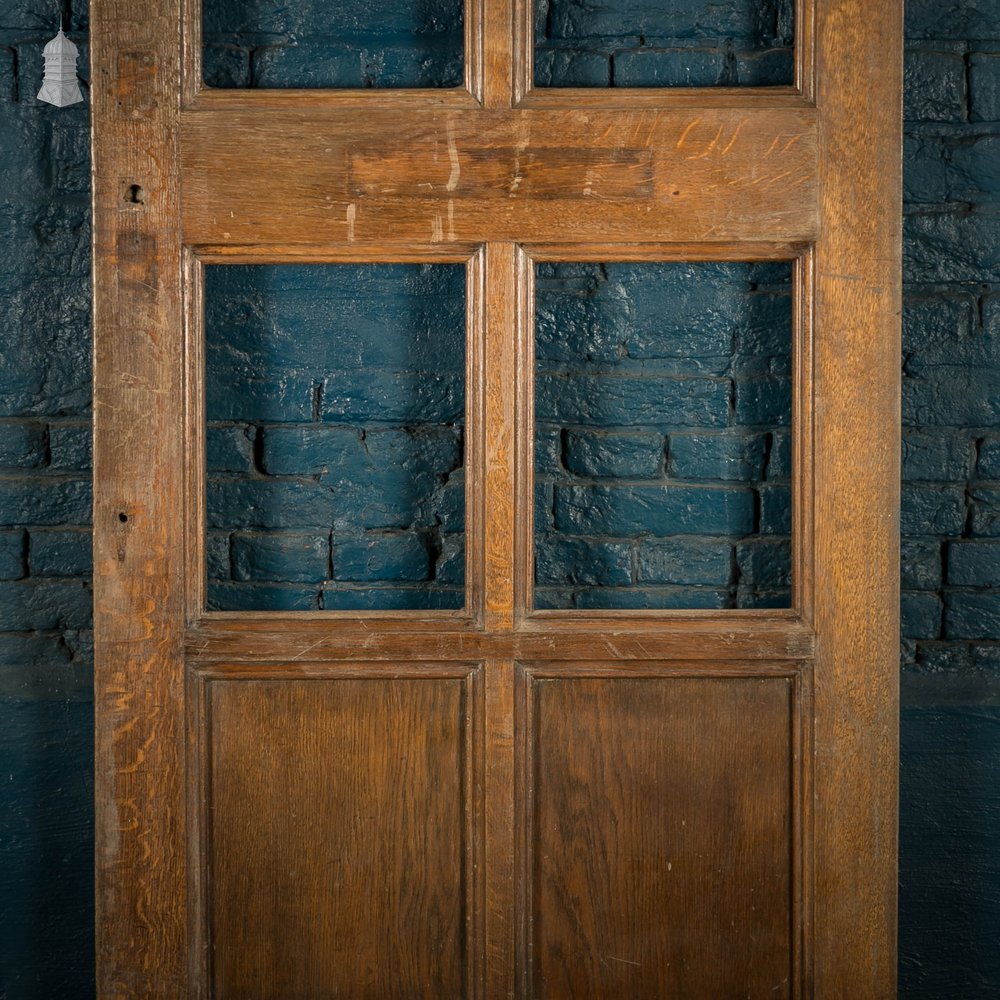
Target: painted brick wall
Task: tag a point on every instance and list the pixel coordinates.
(950, 823)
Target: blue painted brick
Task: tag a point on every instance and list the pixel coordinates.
(450, 569)
(70, 447)
(544, 504)
(974, 169)
(657, 510)
(51, 500)
(230, 449)
(730, 455)
(217, 556)
(932, 510)
(677, 67)
(621, 454)
(779, 463)
(344, 597)
(934, 86)
(974, 564)
(548, 451)
(749, 599)
(397, 556)
(988, 466)
(958, 19)
(685, 561)
(265, 504)
(583, 561)
(226, 66)
(925, 170)
(985, 502)
(255, 596)
(427, 62)
(775, 509)
(615, 401)
(651, 598)
(60, 552)
(12, 564)
(920, 564)
(291, 557)
(984, 81)
(972, 615)
(763, 401)
(938, 455)
(38, 605)
(571, 68)
(952, 247)
(920, 615)
(22, 444)
(765, 564)
(33, 652)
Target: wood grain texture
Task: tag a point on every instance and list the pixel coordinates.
(141, 924)
(522, 175)
(856, 569)
(340, 838)
(660, 838)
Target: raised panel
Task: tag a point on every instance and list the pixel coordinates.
(338, 836)
(660, 840)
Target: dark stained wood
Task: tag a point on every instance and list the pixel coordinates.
(660, 851)
(856, 568)
(523, 175)
(340, 852)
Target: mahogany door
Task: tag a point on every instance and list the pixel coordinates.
(498, 801)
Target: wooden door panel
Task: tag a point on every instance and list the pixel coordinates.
(660, 849)
(338, 835)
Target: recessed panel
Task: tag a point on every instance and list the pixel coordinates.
(660, 841)
(663, 447)
(350, 43)
(663, 43)
(335, 412)
(338, 838)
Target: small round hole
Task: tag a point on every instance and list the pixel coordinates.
(123, 517)
(135, 195)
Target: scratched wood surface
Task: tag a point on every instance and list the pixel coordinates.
(523, 175)
(507, 779)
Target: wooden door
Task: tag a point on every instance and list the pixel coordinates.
(516, 803)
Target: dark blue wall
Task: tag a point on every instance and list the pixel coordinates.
(950, 781)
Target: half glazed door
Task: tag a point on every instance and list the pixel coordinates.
(581, 771)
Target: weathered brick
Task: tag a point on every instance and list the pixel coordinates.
(685, 561)
(932, 510)
(677, 67)
(650, 598)
(952, 247)
(291, 557)
(657, 510)
(226, 66)
(450, 569)
(548, 451)
(974, 173)
(775, 509)
(730, 455)
(974, 564)
(765, 564)
(985, 504)
(601, 401)
(934, 86)
(22, 444)
(938, 455)
(749, 599)
(70, 447)
(920, 564)
(920, 615)
(37, 605)
(779, 463)
(412, 597)
(268, 504)
(972, 615)
(622, 454)
(925, 170)
(583, 561)
(224, 596)
(60, 552)
(984, 81)
(988, 466)
(12, 563)
(571, 68)
(397, 556)
(765, 401)
(230, 449)
(959, 19)
(52, 500)
(217, 555)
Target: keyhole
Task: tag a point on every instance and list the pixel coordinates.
(135, 195)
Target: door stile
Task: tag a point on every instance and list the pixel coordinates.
(138, 506)
(857, 399)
